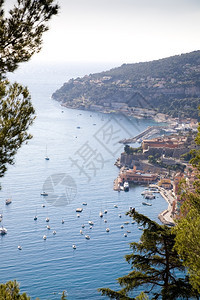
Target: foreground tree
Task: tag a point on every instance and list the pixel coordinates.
(10, 291)
(188, 227)
(154, 264)
(20, 37)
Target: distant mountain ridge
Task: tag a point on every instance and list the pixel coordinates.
(169, 85)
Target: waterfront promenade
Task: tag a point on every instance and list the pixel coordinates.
(165, 216)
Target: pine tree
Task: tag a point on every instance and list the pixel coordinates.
(20, 37)
(154, 264)
(10, 291)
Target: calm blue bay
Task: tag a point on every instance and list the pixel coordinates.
(85, 157)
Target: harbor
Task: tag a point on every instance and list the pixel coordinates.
(165, 216)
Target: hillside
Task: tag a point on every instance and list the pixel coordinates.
(170, 85)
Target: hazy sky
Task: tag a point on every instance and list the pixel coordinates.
(122, 31)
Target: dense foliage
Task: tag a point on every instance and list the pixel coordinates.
(169, 85)
(188, 227)
(154, 264)
(20, 37)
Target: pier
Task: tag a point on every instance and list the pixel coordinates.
(150, 130)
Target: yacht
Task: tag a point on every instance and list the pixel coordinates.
(87, 237)
(81, 231)
(19, 247)
(107, 229)
(126, 186)
(90, 223)
(84, 203)
(3, 230)
(8, 201)
(125, 234)
(44, 237)
(47, 219)
(101, 214)
(74, 246)
(48, 227)
(79, 209)
(44, 194)
(105, 211)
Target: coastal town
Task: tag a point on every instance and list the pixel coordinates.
(161, 163)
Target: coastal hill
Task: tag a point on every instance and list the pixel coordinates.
(169, 85)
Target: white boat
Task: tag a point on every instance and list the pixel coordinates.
(47, 219)
(79, 209)
(149, 196)
(126, 186)
(105, 221)
(87, 237)
(126, 223)
(84, 203)
(44, 237)
(62, 221)
(81, 231)
(44, 194)
(90, 223)
(3, 230)
(74, 246)
(35, 218)
(48, 227)
(100, 214)
(83, 226)
(19, 247)
(107, 229)
(115, 206)
(125, 234)
(54, 232)
(8, 201)
(43, 205)
(128, 231)
(78, 216)
(146, 203)
(122, 226)
(120, 215)
(105, 211)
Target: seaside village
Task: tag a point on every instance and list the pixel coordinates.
(160, 164)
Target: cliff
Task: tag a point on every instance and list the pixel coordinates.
(170, 85)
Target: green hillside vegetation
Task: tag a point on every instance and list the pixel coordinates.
(170, 85)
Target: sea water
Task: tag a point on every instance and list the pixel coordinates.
(82, 147)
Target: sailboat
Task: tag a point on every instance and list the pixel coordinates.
(46, 156)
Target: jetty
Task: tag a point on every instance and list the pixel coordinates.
(150, 130)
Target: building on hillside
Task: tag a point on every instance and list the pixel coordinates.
(137, 176)
(165, 183)
(172, 142)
